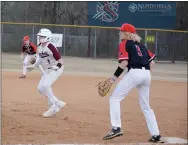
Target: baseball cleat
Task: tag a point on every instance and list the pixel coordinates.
(22, 77)
(54, 108)
(51, 111)
(156, 139)
(113, 133)
(61, 104)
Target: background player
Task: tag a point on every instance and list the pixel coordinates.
(30, 50)
(51, 62)
(134, 56)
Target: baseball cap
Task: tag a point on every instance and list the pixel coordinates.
(26, 38)
(127, 28)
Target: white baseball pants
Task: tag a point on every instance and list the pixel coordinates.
(26, 61)
(44, 86)
(135, 78)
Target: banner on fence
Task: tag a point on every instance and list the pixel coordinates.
(56, 40)
(148, 14)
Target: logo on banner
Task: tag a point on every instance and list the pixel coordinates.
(133, 7)
(107, 11)
(56, 39)
(150, 7)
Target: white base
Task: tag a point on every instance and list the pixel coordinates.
(175, 140)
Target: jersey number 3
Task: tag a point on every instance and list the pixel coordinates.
(138, 50)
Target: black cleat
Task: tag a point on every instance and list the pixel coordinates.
(156, 139)
(113, 133)
(22, 77)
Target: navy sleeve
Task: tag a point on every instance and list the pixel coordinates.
(129, 44)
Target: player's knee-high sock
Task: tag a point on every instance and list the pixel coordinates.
(24, 69)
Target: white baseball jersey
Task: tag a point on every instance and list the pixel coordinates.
(48, 55)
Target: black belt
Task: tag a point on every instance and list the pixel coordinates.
(31, 53)
(145, 68)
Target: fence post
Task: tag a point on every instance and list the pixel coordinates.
(174, 47)
(156, 45)
(1, 29)
(89, 42)
(64, 31)
(1, 37)
(95, 43)
(146, 34)
(187, 46)
(173, 57)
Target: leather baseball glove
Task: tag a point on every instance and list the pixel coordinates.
(33, 60)
(104, 87)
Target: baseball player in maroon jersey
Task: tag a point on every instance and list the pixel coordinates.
(30, 50)
(133, 55)
(51, 63)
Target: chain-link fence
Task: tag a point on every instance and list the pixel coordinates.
(96, 42)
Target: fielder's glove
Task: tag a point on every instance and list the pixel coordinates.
(104, 87)
(30, 68)
(33, 60)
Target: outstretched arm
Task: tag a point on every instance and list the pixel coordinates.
(104, 87)
(22, 53)
(36, 64)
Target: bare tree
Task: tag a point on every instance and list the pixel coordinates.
(182, 15)
(3, 7)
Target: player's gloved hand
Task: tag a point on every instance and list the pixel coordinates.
(104, 86)
(30, 68)
(56, 67)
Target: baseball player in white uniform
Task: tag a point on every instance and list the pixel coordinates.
(138, 60)
(49, 60)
